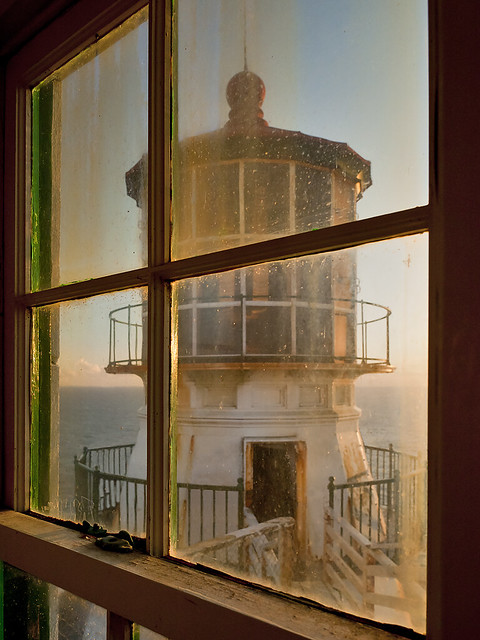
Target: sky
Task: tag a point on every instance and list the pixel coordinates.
(353, 71)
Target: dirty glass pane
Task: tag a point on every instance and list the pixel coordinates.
(299, 427)
(89, 145)
(36, 610)
(295, 115)
(88, 434)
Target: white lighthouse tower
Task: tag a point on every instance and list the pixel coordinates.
(267, 355)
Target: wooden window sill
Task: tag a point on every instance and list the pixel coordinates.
(171, 599)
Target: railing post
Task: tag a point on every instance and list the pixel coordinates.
(244, 325)
(136, 343)
(95, 492)
(114, 341)
(388, 339)
(331, 489)
(397, 509)
(77, 488)
(391, 457)
(129, 328)
(241, 493)
(110, 342)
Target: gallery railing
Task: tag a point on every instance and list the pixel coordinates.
(241, 327)
(126, 345)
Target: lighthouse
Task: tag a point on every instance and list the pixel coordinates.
(267, 355)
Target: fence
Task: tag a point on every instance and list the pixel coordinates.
(390, 505)
(384, 462)
(376, 529)
(206, 511)
(105, 494)
(372, 507)
(353, 565)
(103, 491)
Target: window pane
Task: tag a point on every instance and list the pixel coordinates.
(343, 87)
(88, 451)
(36, 610)
(89, 145)
(299, 427)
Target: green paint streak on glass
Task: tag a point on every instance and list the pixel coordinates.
(42, 120)
(41, 389)
(41, 277)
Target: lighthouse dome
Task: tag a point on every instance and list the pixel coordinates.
(245, 96)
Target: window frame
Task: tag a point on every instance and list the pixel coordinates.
(55, 554)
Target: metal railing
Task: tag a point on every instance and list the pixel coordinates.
(389, 509)
(103, 491)
(235, 331)
(112, 459)
(365, 326)
(372, 507)
(383, 462)
(105, 494)
(126, 335)
(206, 511)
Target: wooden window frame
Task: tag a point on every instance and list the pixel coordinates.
(175, 600)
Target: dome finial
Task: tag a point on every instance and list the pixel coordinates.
(245, 95)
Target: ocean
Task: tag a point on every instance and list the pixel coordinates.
(94, 417)
(394, 415)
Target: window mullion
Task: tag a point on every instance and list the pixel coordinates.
(158, 296)
(158, 417)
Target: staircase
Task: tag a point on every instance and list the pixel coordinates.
(374, 556)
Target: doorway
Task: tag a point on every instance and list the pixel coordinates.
(275, 482)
